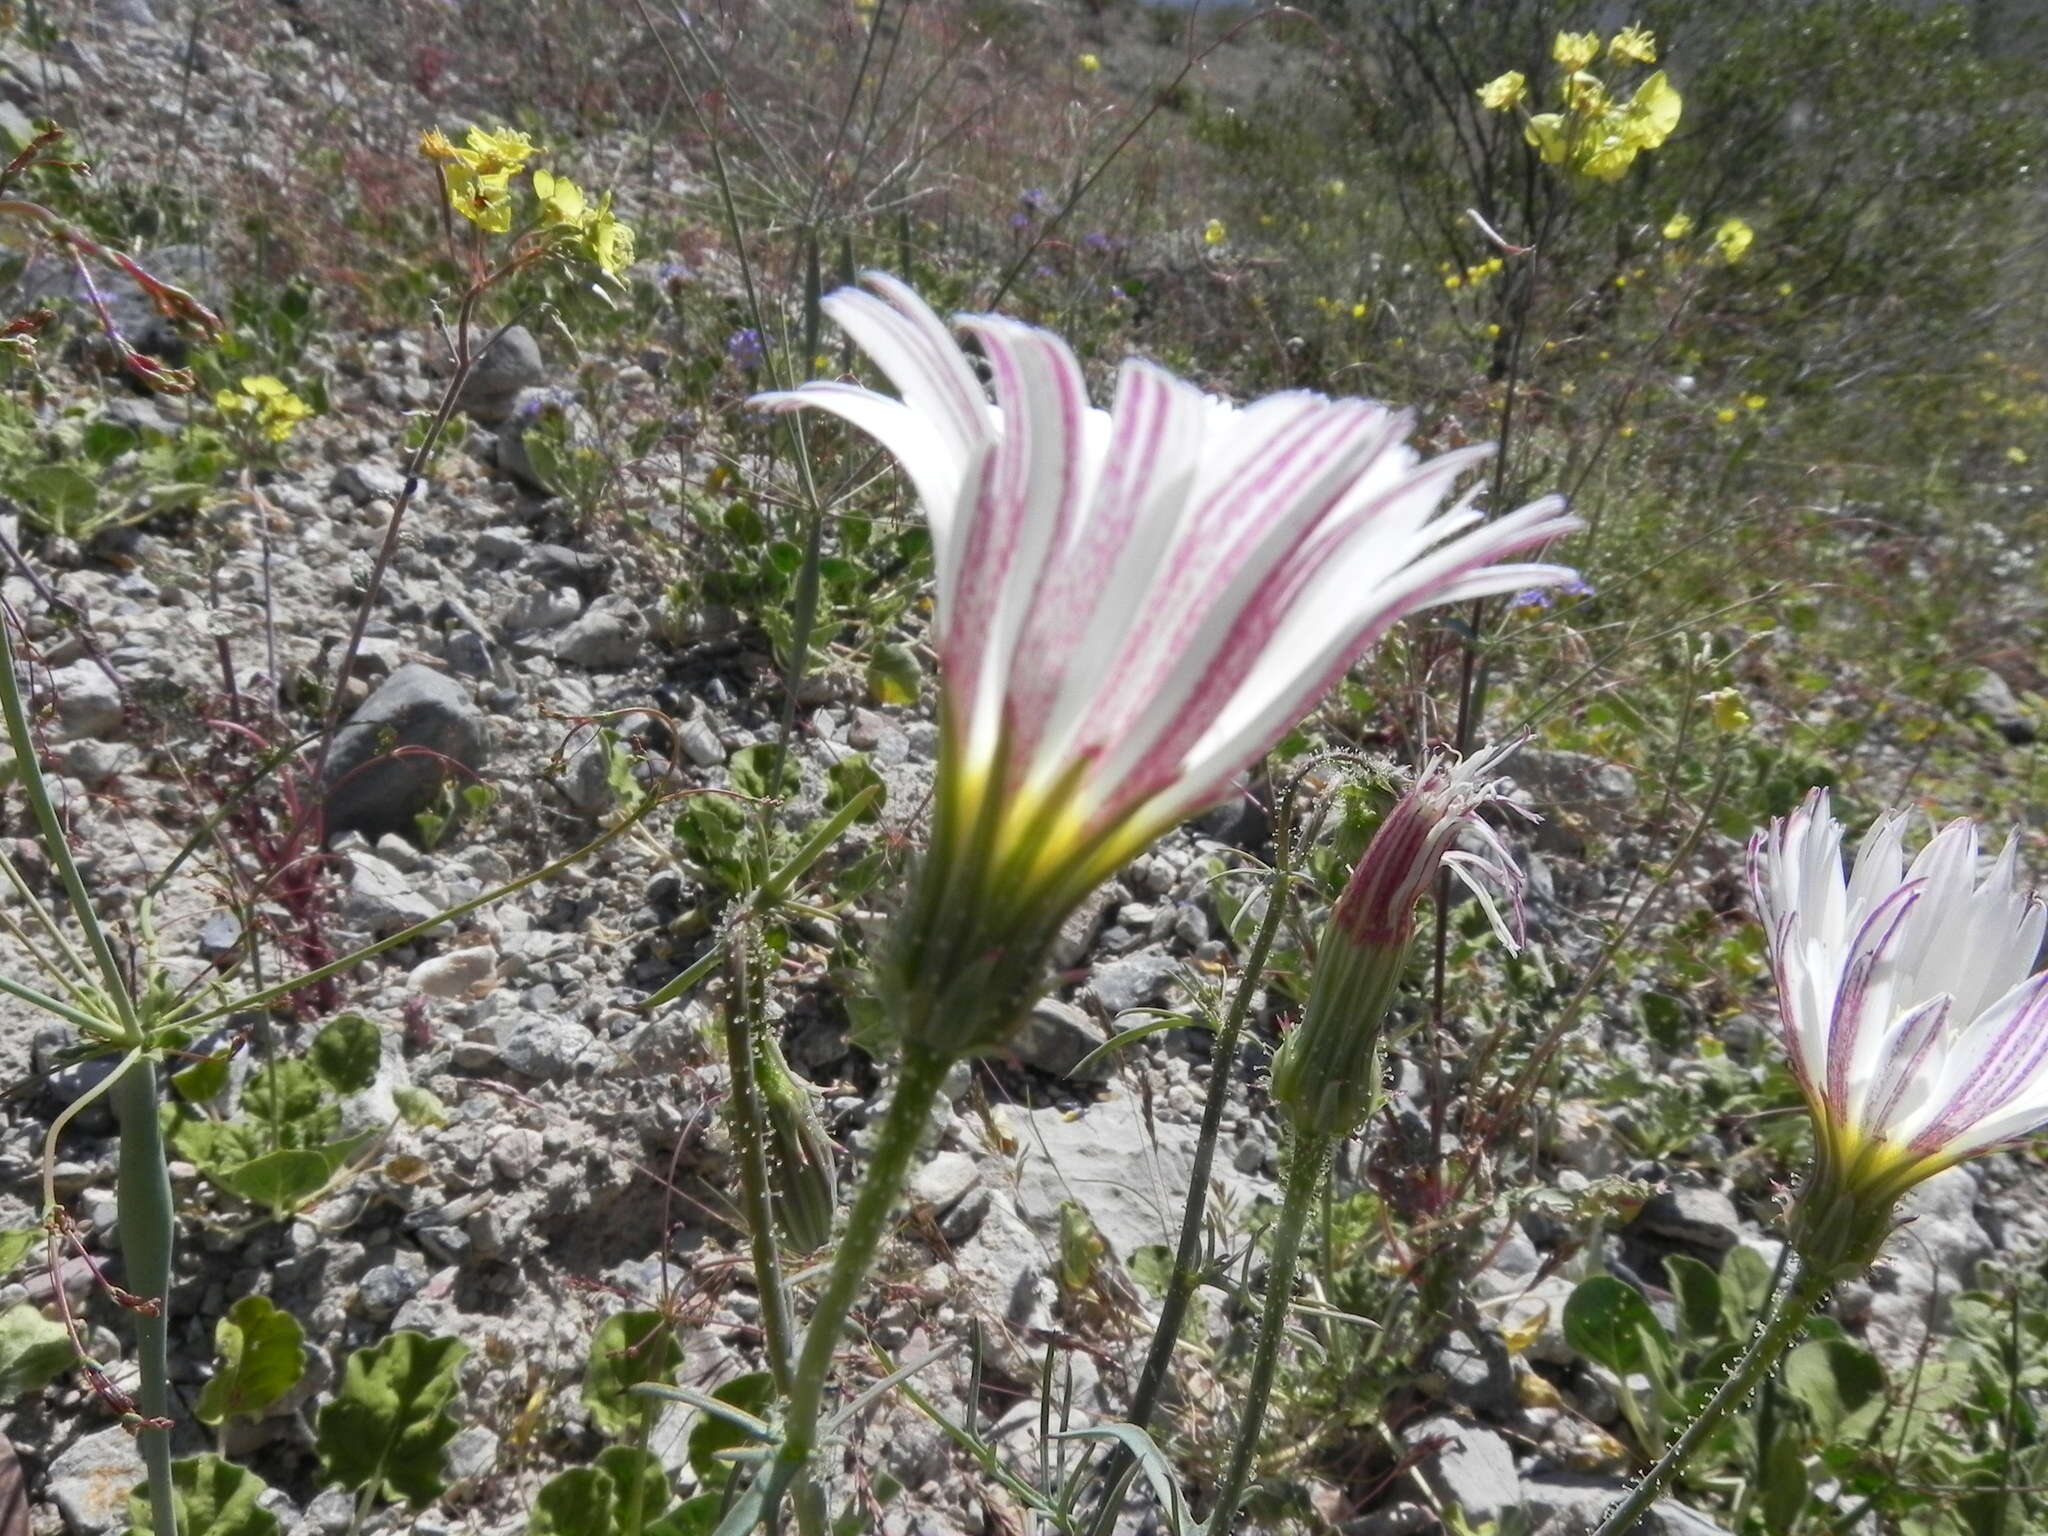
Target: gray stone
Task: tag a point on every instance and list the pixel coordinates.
(1056, 1036)
(700, 743)
(586, 570)
(385, 1288)
(379, 899)
(543, 1047)
(1698, 1218)
(502, 543)
(368, 480)
(332, 1511)
(1127, 1169)
(472, 1454)
(469, 653)
(1572, 1506)
(611, 633)
(89, 1482)
(392, 757)
(88, 701)
(1133, 981)
(1991, 697)
(1475, 1373)
(1931, 1256)
(459, 974)
(540, 609)
(585, 779)
(1470, 1467)
(508, 365)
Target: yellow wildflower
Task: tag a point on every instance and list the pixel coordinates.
(1726, 708)
(1626, 429)
(502, 150)
(1545, 132)
(1575, 50)
(435, 146)
(561, 200)
(1504, 91)
(1213, 233)
(1454, 282)
(1492, 332)
(486, 201)
(1652, 112)
(1633, 45)
(1725, 415)
(2016, 454)
(1755, 402)
(610, 241)
(1678, 226)
(266, 403)
(1089, 63)
(1585, 94)
(1733, 240)
(1359, 310)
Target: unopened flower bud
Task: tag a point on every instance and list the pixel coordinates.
(1326, 1075)
(802, 1170)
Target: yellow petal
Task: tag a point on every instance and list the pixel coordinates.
(1653, 112)
(1575, 50)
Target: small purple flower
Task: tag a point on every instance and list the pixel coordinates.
(1578, 586)
(1020, 220)
(672, 273)
(746, 349)
(536, 403)
(1531, 600)
(1095, 240)
(1034, 199)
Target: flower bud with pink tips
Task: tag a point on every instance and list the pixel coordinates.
(1326, 1074)
(1133, 605)
(1915, 1021)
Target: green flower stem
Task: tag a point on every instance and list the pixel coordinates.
(750, 1141)
(1787, 1316)
(147, 1231)
(1187, 1266)
(923, 1070)
(1308, 1160)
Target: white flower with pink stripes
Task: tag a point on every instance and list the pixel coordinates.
(1913, 1023)
(1132, 604)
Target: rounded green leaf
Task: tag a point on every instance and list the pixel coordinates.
(262, 1355)
(1609, 1322)
(34, 1351)
(710, 1434)
(211, 1497)
(627, 1349)
(386, 1428)
(346, 1053)
(1840, 1385)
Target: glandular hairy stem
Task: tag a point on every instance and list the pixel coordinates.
(1782, 1325)
(1308, 1161)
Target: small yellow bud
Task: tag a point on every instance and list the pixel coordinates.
(1504, 91)
(1633, 45)
(2016, 454)
(1726, 709)
(1573, 51)
(1755, 402)
(1213, 233)
(1725, 415)
(1089, 63)
(1358, 310)
(1733, 240)
(1678, 226)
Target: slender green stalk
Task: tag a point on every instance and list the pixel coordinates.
(1187, 1266)
(917, 1082)
(148, 1228)
(1789, 1311)
(750, 1141)
(1309, 1159)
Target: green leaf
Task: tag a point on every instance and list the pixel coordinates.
(280, 1180)
(751, 768)
(345, 1054)
(386, 1429)
(1152, 1267)
(627, 1349)
(1745, 1288)
(1840, 1385)
(104, 441)
(212, 1497)
(696, 1516)
(574, 1503)
(1783, 1485)
(16, 1243)
(847, 778)
(419, 1106)
(203, 1079)
(33, 1351)
(61, 498)
(893, 675)
(1609, 1322)
(1698, 1290)
(262, 1355)
(709, 1435)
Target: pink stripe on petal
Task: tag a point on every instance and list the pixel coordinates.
(1913, 1040)
(1872, 948)
(2005, 1066)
